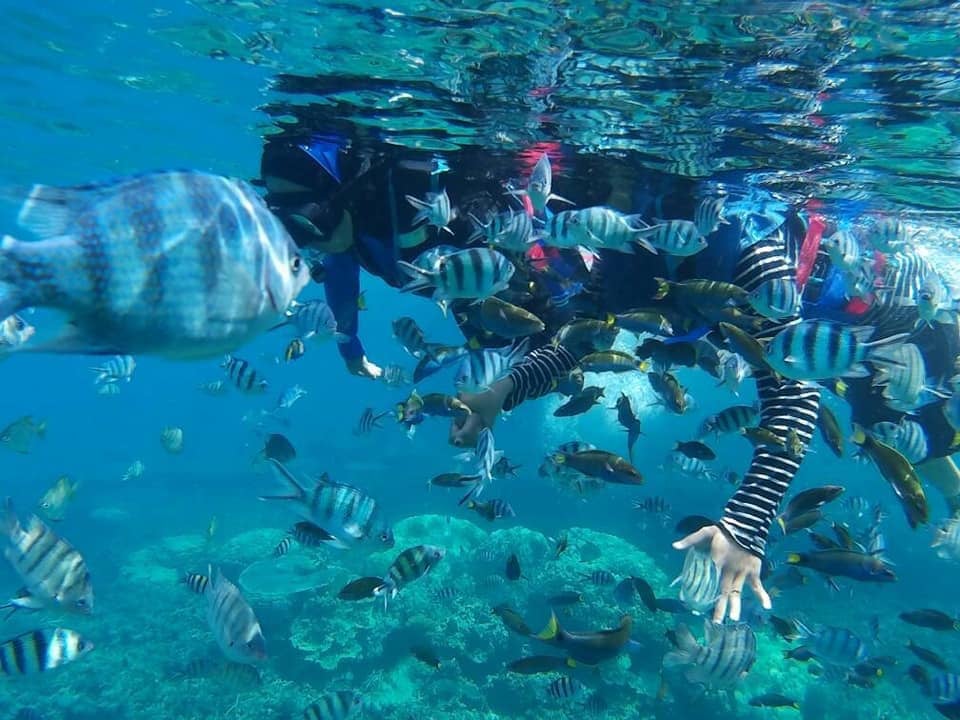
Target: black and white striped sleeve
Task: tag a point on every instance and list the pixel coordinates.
(784, 405)
(538, 374)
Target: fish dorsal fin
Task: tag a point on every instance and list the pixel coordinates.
(51, 211)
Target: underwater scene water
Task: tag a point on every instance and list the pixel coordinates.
(685, 248)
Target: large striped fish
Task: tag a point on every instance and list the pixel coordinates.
(699, 581)
(181, 264)
(725, 658)
(345, 512)
(53, 573)
(472, 274)
(338, 705)
(412, 564)
(37, 651)
(597, 227)
(232, 621)
(821, 350)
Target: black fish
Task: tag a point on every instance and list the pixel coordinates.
(785, 627)
(513, 567)
(692, 523)
(278, 448)
(588, 648)
(563, 687)
(567, 597)
(928, 656)
(696, 449)
(629, 421)
(929, 618)
(369, 421)
(512, 619)
(774, 700)
(627, 588)
(580, 403)
(360, 589)
(536, 664)
(671, 605)
(426, 655)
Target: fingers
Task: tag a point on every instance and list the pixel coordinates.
(720, 609)
(757, 586)
(465, 434)
(736, 596)
(700, 536)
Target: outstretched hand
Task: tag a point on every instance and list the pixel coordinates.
(364, 368)
(484, 408)
(736, 566)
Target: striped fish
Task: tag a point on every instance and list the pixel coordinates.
(345, 513)
(309, 535)
(843, 250)
(539, 186)
(906, 437)
(833, 645)
(486, 456)
(888, 235)
(776, 299)
(946, 540)
(944, 688)
(730, 420)
(14, 332)
(709, 215)
(725, 658)
(338, 705)
(435, 210)
(821, 350)
(197, 582)
(471, 274)
(117, 368)
(295, 350)
(675, 237)
(180, 264)
(596, 228)
(409, 334)
(283, 547)
(699, 581)
(232, 621)
(242, 375)
(509, 230)
(369, 421)
(691, 467)
(311, 319)
(37, 651)
(412, 564)
(564, 687)
(54, 574)
(480, 369)
(902, 373)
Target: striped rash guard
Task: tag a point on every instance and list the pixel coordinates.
(785, 405)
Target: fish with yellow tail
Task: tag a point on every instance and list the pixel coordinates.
(587, 648)
(897, 471)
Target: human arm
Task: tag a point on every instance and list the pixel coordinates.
(738, 541)
(342, 290)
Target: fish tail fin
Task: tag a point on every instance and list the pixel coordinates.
(551, 630)
(663, 288)
(12, 280)
(802, 628)
(686, 646)
(419, 278)
(299, 492)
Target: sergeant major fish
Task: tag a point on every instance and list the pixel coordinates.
(14, 332)
(111, 255)
(472, 274)
(412, 564)
(53, 504)
(37, 651)
(725, 658)
(117, 368)
(233, 622)
(539, 186)
(54, 574)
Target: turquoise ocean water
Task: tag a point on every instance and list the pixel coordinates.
(853, 104)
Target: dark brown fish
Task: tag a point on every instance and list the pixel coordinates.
(426, 655)
(360, 589)
(580, 403)
(513, 567)
(588, 648)
(692, 523)
(278, 448)
(512, 620)
(536, 664)
(696, 449)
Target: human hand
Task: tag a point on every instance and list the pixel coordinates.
(364, 368)
(736, 566)
(484, 408)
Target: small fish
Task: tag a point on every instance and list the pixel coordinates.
(580, 403)
(563, 687)
(614, 361)
(512, 620)
(726, 657)
(172, 439)
(108, 389)
(670, 393)
(233, 622)
(37, 651)
(507, 320)
(595, 704)
(360, 589)
(18, 436)
(116, 369)
(14, 332)
(600, 464)
(311, 319)
(732, 419)
(369, 421)
(53, 504)
(629, 422)
(654, 504)
(395, 376)
(776, 299)
(134, 472)
(290, 396)
(454, 480)
(946, 540)
(197, 582)
(628, 587)
(435, 210)
(785, 627)
(339, 705)
(774, 700)
(513, 571)
(677, 462)
(410, 565)
(277, 447)
(928, 656)
(471, 274)
(601, 577)
(480, 369)
(447, 592)
(283, 547)
(539, 186)
(833, 645)
(845, 563)
(696, 449)
(491, 510)
(537, 664)
(699, 581)
(243, 376)
(675, 237)
(709, 215)
(811, 499)
(53, 572)
(930, 618)
(295, 350)
(427, 655)
(214, 388)
(409, 334)
(901, 475)
(560, 546)
(644, 321)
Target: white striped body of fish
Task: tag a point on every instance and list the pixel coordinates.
(699, 581)
(540, 185)
(233, 622)
(179, 264)
(37, 651)
(54, 574)
(480, 369)
(721, 662)
(595, 228)
(435, 210)
(472, 274)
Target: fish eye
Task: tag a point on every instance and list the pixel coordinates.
(296, 263)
